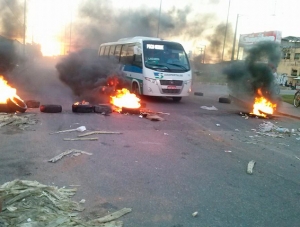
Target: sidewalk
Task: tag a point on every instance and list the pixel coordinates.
(289, 110)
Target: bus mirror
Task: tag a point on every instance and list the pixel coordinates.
(137, 50)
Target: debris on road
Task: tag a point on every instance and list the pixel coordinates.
(195, 214)
(154, 117)
(208, 108)
(98, 132)
(79, 129)
(74, 152)
(250, 167)
(112, 216)
(22, 121)
(82, 139)
(30, 203)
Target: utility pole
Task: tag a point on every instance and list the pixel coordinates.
(225, 31)
(24, 35)
(234, 38)
(70, 33)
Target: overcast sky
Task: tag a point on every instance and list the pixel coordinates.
(51, 21)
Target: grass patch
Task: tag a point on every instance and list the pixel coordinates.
(288, 98)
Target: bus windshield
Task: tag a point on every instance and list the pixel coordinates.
(165, 56)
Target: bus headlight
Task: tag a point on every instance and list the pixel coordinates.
(187, 82)
(150, 80)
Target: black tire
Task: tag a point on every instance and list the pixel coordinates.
(176, 99)
(32, 104)
(16, 104)
(4, 108)
(297, 99)
(198, 93)
(82, 108)
(135, 89)
(224, 100)
(49, 108)
(103, 109)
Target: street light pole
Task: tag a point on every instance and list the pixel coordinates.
(24, 35)
(225, 30)
(158, 23)
(234, 38)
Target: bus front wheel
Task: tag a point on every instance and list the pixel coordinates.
(135, 88)
(176, 99)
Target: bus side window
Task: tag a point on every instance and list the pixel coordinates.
(118, 52)
(123, 53)
(112, 50)
(106, 52)
(137, 56)
(101, 51)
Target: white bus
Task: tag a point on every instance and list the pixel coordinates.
(154, 66)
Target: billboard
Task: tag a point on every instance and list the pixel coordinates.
(246, 40)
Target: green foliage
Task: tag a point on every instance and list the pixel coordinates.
(288, 98)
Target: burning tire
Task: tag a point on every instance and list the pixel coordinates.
(224, 100)
(16, 104)
(4, 108)
(297, 99)
(50, 108)
(82, 108)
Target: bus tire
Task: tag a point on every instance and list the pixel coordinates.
(135, 88)
(176, 99)
(16, 104)
(50, 108)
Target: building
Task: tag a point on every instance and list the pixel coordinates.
(289, 66)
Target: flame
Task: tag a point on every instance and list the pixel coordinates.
(262, 106)
(6, 91)
(124, 98)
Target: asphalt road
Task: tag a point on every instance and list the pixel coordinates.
(194, 161)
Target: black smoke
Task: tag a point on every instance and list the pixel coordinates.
(12, 19)
(256, 72)
(90, 77)
(99, 22)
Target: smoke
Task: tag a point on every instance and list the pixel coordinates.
(100, 22)
(91, 78)
(256, 72)
(11, 19)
